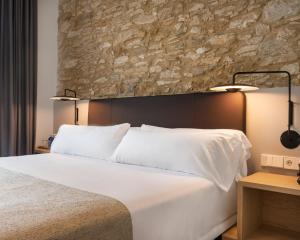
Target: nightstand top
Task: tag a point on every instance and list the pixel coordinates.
(40, 150)
(272, 182)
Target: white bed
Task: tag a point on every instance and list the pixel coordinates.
(164, 205)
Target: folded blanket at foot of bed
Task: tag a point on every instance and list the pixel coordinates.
(34, 209)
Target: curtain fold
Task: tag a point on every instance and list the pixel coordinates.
(18, 76)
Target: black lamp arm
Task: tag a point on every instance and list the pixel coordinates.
(76, 110)
(76, 113)
(70, 90)
(291, 104)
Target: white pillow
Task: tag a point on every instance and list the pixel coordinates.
(226, 133)
(231, 132)
(89, 141)
(213, 157)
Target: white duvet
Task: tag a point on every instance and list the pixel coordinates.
(164, 205)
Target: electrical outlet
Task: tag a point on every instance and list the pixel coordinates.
(291, 163)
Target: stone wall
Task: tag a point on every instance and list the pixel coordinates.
(116, 48)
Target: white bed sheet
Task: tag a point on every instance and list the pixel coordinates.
(163, 205)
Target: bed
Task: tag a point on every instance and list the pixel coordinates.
(162, 204)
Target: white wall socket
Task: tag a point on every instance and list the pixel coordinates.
(268, 160)
(291, 163)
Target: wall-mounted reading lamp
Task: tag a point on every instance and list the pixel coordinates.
(290, 138)
(69, 97)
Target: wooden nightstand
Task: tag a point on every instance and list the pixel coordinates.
(268, 207)
(230, 234)
(40, 150)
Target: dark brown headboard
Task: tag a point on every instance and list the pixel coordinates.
(201, 110)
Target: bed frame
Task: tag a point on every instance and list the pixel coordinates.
(199, 110)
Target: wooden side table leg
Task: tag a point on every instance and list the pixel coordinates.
(249, 211)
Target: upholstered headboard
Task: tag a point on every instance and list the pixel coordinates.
(200, 110)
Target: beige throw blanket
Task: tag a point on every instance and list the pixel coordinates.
(34, 209)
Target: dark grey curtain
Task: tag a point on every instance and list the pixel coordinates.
(18, 71)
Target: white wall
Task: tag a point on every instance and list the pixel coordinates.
(47, 67)
(64, 113)
(267, 119)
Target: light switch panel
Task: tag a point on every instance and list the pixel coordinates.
(268, 160)
(277, 161)
(265, 160)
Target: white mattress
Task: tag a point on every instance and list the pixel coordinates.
(163, 205)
